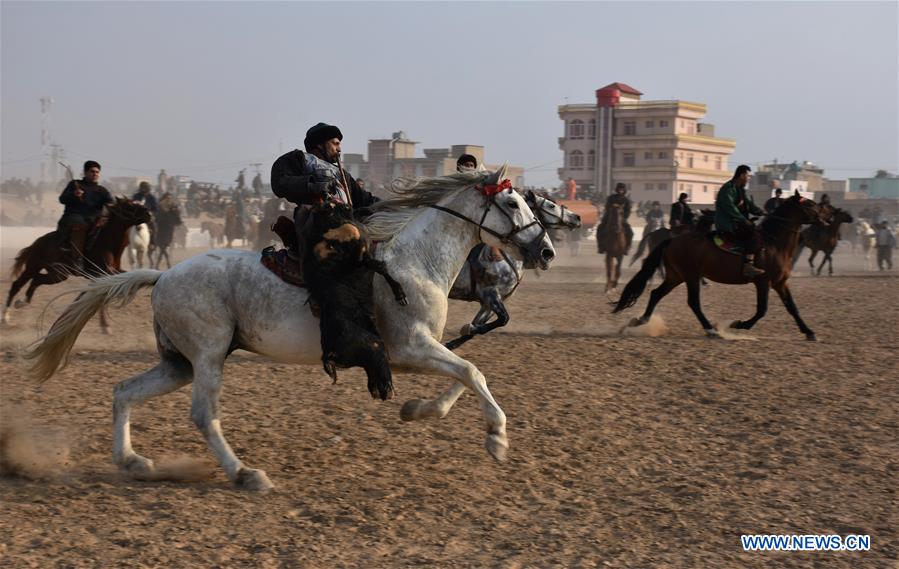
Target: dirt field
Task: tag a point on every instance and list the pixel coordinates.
(625, 451)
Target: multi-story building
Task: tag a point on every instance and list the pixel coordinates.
(657, 148)
(394, 157)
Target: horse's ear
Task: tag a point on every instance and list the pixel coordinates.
(796, 193)
(498, 176)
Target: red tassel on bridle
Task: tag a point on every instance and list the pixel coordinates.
(489, 190)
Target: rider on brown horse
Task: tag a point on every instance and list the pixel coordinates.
(733, 208)
(618, 198)
(85, 201)
(681, 217)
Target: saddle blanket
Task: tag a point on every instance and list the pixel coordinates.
(728, 246)
(286, 268)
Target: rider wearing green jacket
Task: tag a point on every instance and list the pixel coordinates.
(733, 208)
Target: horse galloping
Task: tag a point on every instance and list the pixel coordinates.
(42, 262)
(139, 245)
(691, 256)
(822, 238)
(426, 232)
(490, 281)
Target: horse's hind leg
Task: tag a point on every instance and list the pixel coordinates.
(696, 306)
(670, 283)
(13, 291)
(787, 297)
(50, 278)
(172, 372)
(204, 411)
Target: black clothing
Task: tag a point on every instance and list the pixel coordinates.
(291, 183)
(90, 205)
(681, 214)
(321, 133)
(773, 204)
(148, 199)
(618, 199)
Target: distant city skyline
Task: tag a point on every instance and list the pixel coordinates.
(206, 89)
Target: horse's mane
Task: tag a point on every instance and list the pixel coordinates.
(411, 196)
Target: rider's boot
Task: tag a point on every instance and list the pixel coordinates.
(750, 271)
(77, 240)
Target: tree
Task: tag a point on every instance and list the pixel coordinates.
(883, 174)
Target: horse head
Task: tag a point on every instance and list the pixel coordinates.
(551, 214)
(130, 212)
(507, 219)
(841, 216)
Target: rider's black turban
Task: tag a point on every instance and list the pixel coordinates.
(319, 134)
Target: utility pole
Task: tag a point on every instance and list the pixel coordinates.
(46, 160)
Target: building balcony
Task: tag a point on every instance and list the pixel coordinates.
(562, 140)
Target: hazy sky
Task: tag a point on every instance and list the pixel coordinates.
(204, 89)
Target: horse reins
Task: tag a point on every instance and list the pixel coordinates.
(509, 237)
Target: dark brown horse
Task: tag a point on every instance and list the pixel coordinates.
(691, 256)
(615, 245)
(823, 238)
(43, 262)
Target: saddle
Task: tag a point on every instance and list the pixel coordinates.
(285, 263)
(727, 244)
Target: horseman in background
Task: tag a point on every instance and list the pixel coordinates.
(681, 216)
(314, 177)
(618, 198)
(85, 202)
(146, 198)
(733, 208)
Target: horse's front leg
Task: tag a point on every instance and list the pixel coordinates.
(786, 296)
(471, 329)
(426, 354)
(13, 291)
(811, 262)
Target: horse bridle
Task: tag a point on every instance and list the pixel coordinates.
(541, 212)
(491, 201)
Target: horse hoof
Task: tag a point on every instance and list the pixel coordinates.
(636, 322)
(411, 410)
(497, 445)
(466, 330)
(811, 337)
(712, 333)
(253, 480)
(736, 324)
(137, 466)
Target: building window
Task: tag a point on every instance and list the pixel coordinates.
(689, 160)
(628, 159)
(591, 129)
(705, 158)
(650, 124)
(630, 128)
(683, 124)
(591, 160)
(576, 160)
(717, 163)
(662, 186)
(690, 188)
(705, 189)
(691, 129)
(663, 124)
(648, 186)
(576, 129)
(647, 155)
(681, 187)
(663, 155)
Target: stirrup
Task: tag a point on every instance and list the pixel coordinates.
(750, 271)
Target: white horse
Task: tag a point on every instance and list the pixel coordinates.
(223, 300)
(866, 236)
(139, 245)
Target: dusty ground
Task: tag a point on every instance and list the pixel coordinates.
(626, 452)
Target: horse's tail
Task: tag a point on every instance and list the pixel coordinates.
(51, 353)
(637, 284)
(21, 260)
(640, 249)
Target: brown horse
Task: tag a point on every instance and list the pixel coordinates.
(822, 238)
(216, 232)
(615, 245)
(234, 226)
(43, 262)
(691, 256)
